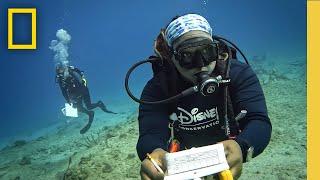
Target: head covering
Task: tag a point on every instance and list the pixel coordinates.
(184, 24)
(191, 37)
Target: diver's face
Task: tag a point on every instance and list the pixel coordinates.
(60, 71)
(190, 74)
(194, 59)
(63, 72)
(66, 73)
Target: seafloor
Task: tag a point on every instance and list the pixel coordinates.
(107, 151)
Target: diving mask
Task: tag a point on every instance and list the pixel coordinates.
(196, 55)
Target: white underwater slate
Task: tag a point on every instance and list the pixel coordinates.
(196, 162)
(69, 110)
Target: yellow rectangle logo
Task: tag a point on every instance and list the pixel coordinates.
(33, 13)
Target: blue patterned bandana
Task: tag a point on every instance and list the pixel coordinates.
(184, 24)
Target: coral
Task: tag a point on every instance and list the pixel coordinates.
(41, 138)
(107, 168)
(25, 161)
(85, 160)
(109, 135)
(105, 128)
(131, 156)
(77, 174)
(89, 141)
(122, 136)
(19, 143)
(69, 162)
(2, 174)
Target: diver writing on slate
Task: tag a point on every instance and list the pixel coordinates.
(74, 89)
(200, 94)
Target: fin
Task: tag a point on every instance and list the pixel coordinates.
(103, 108)
(87, 127)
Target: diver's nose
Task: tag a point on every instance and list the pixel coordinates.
(198, 60)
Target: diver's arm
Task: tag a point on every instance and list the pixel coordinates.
(78, 75)
(65, 95)
(64, 91)
(83, 80)
(78, 71)
(153, 122)
(246, 93)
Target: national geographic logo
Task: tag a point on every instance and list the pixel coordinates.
(33, 12)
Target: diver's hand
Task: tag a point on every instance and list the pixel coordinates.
(69, 102)
(148, 170)
(234, 157)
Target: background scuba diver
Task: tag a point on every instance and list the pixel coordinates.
(74, 89)
(189, 58)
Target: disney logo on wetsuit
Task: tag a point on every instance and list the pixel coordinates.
(195, 119)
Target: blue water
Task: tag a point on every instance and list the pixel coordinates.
(109, 36)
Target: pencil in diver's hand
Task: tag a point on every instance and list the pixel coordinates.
(155, 163)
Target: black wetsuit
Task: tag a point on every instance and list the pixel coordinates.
(75, 91)
(200, 118)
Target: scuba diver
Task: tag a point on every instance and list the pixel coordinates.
(74, 89)
(200, 94)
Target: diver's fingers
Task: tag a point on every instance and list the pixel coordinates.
(148, 169)
(236, 171)
(144, 176)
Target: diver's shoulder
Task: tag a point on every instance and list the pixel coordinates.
(152, 88)
(154, 81)
(238, 66)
